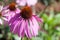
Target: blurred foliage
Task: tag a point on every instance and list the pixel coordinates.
(51, 26)
(46, 2)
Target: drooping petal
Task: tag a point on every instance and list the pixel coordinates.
(27, 30)
(14, 18)
(15, 24)
(13, 27)
(23, 33)
(34, 25)
(6, 7)
(1, 7)
(1, 21)
(31, 29)
(8, 14)
(3, 18)
(38, 19)
(21, 29)
(5, 12)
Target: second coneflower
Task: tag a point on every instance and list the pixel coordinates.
(25, 23)
(11, 10)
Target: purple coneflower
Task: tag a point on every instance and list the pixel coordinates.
(25, 23)
(2, 18)
(11, 10)
(24, 2)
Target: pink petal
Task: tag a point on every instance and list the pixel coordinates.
(31, 2)
(17, 10)
(15, 25)
(10, 15)
(22, 27)
(14, 18)
(27, 30)
(30, 26)
(38, 19)
(1, 21)
(21, 2)
(23, 33)
(6, 7)
(34, 25)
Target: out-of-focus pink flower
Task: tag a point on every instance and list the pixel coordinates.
(24, 2)
(10, 10)
(25, 23)
(2, 18)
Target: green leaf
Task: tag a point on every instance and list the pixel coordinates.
(37, 38)
(46, 26)
(45, 17)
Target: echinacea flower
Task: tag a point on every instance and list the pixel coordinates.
(25, 23)
(2, 18)
(11, 10)
(24, 2)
